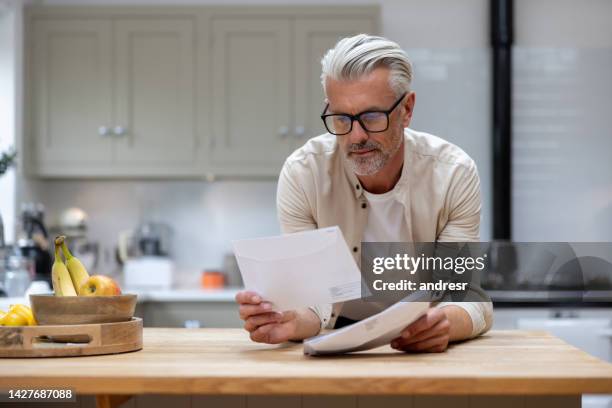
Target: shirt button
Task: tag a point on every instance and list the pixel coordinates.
(363, 205)
(333, 315)
(355, 249)
(357, 186)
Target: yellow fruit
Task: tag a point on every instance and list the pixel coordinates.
(77, 271)
(25, 311)
(14, 319)
(60, 277)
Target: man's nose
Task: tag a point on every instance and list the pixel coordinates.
(358, 135)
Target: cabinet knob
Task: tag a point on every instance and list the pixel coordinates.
(103, 130)
(299, 131)
(119, 130)
(283, 131)
(192, 324)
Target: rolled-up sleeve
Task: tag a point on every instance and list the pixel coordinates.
(295, 215)
(463, 225)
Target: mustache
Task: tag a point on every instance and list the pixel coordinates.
(369, 144)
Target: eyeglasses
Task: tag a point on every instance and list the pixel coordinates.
(371, 121)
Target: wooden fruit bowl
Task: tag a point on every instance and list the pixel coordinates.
(57, 310)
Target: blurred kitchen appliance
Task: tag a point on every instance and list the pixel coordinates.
(33, 240)
(2, 242)
(73, 224)
(3, 255)
(18, 275)
(145, 255)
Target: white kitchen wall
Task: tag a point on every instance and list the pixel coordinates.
(9, 26)
(448, 43)
(562, 172)
(204, 216)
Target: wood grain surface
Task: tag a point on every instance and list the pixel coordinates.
(225, 361)
(54, 310)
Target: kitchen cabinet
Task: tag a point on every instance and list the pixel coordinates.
(71, 99)
(175, 92)
(181, 314)
(154, 91)
(251, 93)
(267, 89)
(313, 37)
(113, 96)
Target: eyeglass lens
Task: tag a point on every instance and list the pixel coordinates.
(371, 121)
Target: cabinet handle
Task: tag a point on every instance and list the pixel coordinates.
(300, 131)
(119, 130)
(283, 131)
(103, 130)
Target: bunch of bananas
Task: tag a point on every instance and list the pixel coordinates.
(69, 276)
(18, 315)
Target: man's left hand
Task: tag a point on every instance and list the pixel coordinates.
(430, 333)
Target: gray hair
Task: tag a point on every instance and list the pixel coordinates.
(353, 57)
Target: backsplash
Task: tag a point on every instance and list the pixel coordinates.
(204, 216)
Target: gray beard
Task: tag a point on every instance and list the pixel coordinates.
(368, 166)
(372, 165)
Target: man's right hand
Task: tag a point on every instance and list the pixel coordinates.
(268, 326)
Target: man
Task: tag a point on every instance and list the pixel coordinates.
(379, 182)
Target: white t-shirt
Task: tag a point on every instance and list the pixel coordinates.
(385, 219)
(386, 223)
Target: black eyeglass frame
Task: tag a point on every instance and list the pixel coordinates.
(357, 117)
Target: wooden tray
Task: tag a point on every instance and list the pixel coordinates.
(71, 340)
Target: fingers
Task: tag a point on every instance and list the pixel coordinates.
(248, 310)
(424, 323)
(254, 322)
(260, 334)
(430, 333)
(248, 297)
(272, 333)
(440, 328)
(435, 344)
(273, 328)
(251, 304)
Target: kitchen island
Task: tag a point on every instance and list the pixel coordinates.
(222, 366)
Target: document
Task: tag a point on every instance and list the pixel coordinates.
(375, 331)
(299, 270)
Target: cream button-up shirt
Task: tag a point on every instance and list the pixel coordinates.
(439, 189)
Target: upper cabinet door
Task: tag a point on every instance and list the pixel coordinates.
(154, 93)
(313, 37)
(251, 104)
(71, 93)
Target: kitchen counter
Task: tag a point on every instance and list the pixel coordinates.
(167, 295)
(186, 295)
(226, 362)
(550, 298)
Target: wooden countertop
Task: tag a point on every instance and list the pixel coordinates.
(225, 361)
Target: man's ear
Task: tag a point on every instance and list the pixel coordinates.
(409, 108)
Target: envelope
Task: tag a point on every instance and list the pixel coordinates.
(299, 270)
(372, 332)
